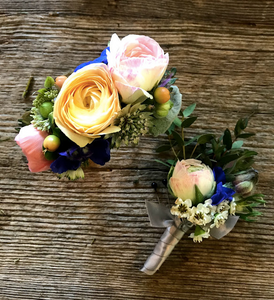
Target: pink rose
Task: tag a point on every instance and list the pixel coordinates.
(31, 140)
(187, 174)
(136, 63)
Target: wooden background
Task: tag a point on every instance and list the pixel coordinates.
(88, 239)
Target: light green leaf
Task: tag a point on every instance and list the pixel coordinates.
(189, 110)
(162, 125)
(199, 197)
(49, 82)
(237, 144)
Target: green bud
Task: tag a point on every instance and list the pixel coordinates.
(163, 109)
(45, 109)
(245, 188)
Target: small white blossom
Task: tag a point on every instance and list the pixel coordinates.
(219, 219)
(213, 208)
(182, 208)
(223, 206)
(233, 207)
(199, 238)
(200, 215)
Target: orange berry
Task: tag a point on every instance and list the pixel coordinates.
(51, 143)
(59, 81)
(161, 95)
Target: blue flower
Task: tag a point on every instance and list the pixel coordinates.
(71, 159)
(219, 175)
(222, 193)
(101, 59)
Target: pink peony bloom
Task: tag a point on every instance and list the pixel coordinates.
(136, 63)
(31, 140)
(187, 174)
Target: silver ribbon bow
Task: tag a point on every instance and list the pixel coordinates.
(160, 216)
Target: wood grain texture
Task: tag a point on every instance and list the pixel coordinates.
(88, 239)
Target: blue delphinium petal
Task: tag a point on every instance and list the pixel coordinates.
(101, 59)
(219, 175)
(222, 193)
(71, 159)
(100, 151)
(63, 164)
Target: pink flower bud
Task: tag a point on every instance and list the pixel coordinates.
(31, 140)
(187, 174)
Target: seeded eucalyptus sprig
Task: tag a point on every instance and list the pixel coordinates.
(43, 105)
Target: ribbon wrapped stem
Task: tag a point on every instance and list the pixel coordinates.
(164, 247)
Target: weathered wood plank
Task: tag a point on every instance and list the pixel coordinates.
(88, 239)
(244, 13)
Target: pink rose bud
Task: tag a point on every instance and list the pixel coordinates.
(137, 63)
(187, 174)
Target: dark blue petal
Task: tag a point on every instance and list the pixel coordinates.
(101, 59)
(99, 151)
(229, 192)
(63, 164)
(222, 193)
(219, 175)
(69, 152)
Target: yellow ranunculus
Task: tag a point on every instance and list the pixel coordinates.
(87, 105)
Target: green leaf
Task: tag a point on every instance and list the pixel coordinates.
(240, 126)
(198, 230)
(199, 197)
(49, 82)
(205, 138)
(162, 125)
(188, 122)
(245, 135)
(171, 161)
(227, 140)
(177, 122)
(227, 159)
(161, 162)
(237, 144)
(192, 140)
(169, 175)
(42, 91)
(189, 110)
(26, 118)
(178, 138)
(163, 148)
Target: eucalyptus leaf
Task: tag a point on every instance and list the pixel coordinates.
(163, 124)
(189, 110)
(188, 122)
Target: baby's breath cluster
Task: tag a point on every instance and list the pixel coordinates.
(134, 122)
(204, 215)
